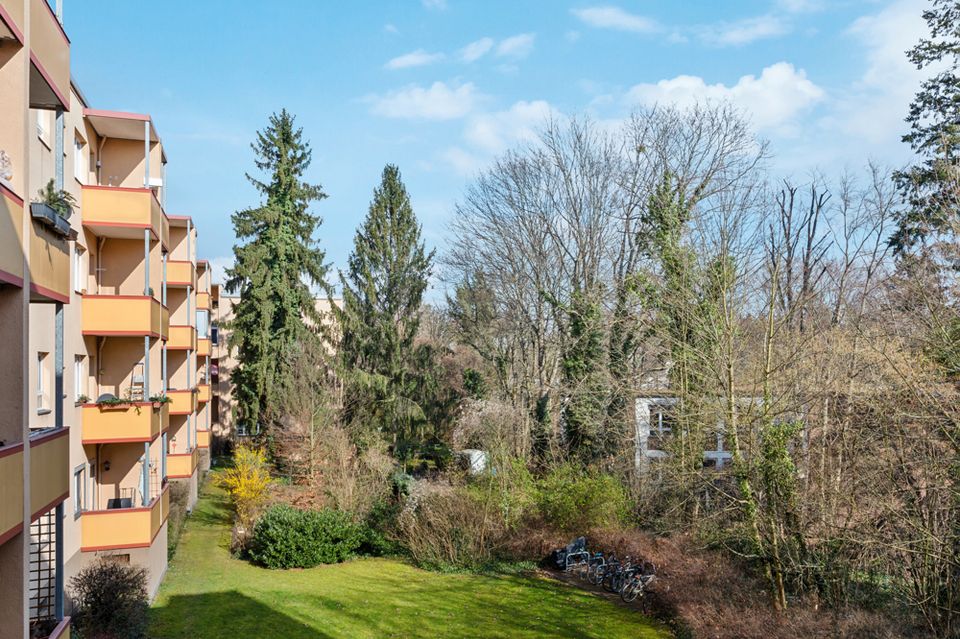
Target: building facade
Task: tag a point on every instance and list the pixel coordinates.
(104, 316)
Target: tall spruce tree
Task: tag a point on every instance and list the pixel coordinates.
(385, 372)
(930, 186)
(273, 270)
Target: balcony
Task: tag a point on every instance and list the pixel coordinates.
(124, 527)
(11, 233)
(49, 255)
(49, 469)
(50, 59)
(181, 274)
(182, 466)
(203, 347)
(124, 315)
(203, 392)
(182, 338)
(203, 301)
(122, 212)
(203, 438)
(11, 490)
(183, 402)
(128, 422)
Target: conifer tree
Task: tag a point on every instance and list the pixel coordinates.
(385, 372)
(273, 271)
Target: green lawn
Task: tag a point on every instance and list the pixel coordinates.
(207, 593)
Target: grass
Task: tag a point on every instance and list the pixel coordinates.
(208, 594)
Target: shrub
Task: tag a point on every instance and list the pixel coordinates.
(179, 496)
(247, 482)
(451, 528)
(110, 601)
(574, 501)
(287, 537)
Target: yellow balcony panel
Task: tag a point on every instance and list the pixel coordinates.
(182, 338)
(183, 465)
(124, 527)
(203, 300)
(124, 315)
(122, 212)
(11, 490)
(129, 422)
(181, 274)
(49, 264)
(50, 59)
(49, 469)
(203, 347)
(11, 234)
(203, 438)
(203, 392)
(183, 402)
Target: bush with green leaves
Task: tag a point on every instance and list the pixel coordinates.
(288, 537)
(110, 600)
(574, 500)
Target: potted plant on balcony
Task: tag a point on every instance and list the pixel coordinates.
(160, 399)
(53, 208)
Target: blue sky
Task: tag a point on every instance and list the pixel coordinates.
(440, 87)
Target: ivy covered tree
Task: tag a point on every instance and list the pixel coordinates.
(930, 187)
(274, 268)
(386, 375)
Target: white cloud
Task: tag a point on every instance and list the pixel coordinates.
(743, 31)
(218, 268)
(416, 58)
(496, 132)
(436, 102)
(439, 5)
(463, 162)
(391, 28)
(476, 50)
(518, 46)
(774, 99)
(610, 17)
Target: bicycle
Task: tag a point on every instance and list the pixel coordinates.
(638, 583)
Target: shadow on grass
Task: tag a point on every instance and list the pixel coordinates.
(227, 615)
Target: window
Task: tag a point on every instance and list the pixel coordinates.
(215, 335)
(79, 378)
(43, 127)
(203, 318)
(42, 383)
(79, 159)
(79, 273)
(79, 490)
(661, 425)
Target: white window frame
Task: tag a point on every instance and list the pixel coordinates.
(79, 377)
(41, 381)
(79, 490)
(203, 328)
(42, 131)
(79, 159)
(79, 273)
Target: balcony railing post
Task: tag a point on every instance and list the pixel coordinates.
(145, 478)
(163, 456)
(58, 149)
(163, 368)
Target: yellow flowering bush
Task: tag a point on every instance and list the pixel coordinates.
(247, 482)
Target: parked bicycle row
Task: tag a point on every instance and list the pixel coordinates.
(629, 577)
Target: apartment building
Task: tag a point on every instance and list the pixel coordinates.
(104, 317)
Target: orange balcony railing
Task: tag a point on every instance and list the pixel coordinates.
(203, 438)
(203, 392)
(203, 347)
(124, 315)
(182, 338)
(182, 465)
(49, 265)
(183, 402)
(127, 422)
(122, 212)
(11, 490)
(124, 527)
(50, 55)
(49, 469)
(11, 233)
(181, 274)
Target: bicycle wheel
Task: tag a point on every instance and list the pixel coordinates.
(631, 590)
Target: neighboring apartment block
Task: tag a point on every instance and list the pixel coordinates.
(104, 319)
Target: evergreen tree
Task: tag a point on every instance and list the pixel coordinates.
(272, 272)
(930, 187)
(386, 374)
